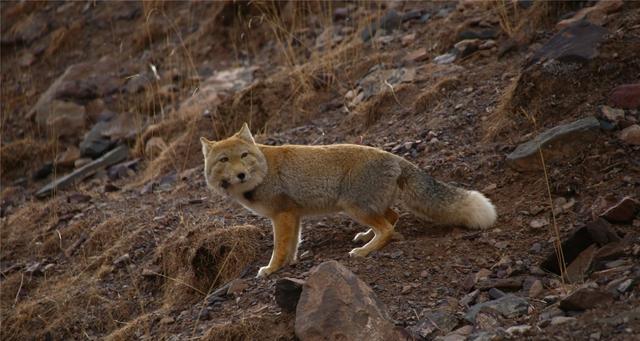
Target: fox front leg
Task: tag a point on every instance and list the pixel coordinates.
(285, 234)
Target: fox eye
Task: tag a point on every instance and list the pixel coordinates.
(224, 159)
(244, 155)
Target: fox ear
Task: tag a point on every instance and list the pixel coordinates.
(245, 134)
(206, 145)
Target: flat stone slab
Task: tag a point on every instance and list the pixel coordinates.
(116, 155)
(576, 43)
(555, 143)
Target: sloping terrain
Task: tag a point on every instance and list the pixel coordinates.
(140, 249)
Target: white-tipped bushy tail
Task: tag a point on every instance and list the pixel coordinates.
(476, 211)
(443, 203)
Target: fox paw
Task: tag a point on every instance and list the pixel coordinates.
(358, 252)
(364, 237)
(264, 272)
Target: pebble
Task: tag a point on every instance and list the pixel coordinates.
(558, 320)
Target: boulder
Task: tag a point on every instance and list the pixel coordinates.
(557, 142)
(576, 43)
(65, 119)
(79, 83)
(336, 305)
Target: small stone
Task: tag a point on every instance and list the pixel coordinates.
(306, 255)
(536, 289)
(611, 114)
(578, 268)
(167, 320)
(424, 273)
(467, 46)
(622, 212)
(65, 118)
(625, 285)
(631, 135)
(558, 320)
(539, 223)
(586, 298)
(27, 59)
(34, 269)
(122, 259)
(433, 321)
(418, 55)
(625, 96)
(535, 248)
(406, 289)
(68, 157)
(237, 286)
(408, 39)
(510, 306)
(518, 330)
(446, 58)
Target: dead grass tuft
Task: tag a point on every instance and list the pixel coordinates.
(428, 99)
(251, 328)
(206, 256)
(21, 156)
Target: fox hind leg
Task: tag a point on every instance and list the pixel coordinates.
(381, 227)
(391, 216)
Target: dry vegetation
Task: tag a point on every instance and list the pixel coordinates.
(177, 252)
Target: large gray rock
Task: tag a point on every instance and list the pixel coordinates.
(118, 154)
(555, 143)
(336, 305)
(79, 83)
(576, 43)
(95, 144)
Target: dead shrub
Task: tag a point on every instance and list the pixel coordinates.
(206, 257)
(19, 157)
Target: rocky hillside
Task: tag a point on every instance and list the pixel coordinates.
(108, 230)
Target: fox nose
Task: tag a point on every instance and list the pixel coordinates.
(241, 176)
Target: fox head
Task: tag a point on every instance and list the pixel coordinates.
(234, 165)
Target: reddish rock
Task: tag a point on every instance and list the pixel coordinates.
(596, 14)
(625, 96)
(417, 55)
(578, 268)
(631, 135)
(336, 305)
(622, 212)
(586, 298)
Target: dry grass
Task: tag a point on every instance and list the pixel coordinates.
(21, 156)
(206, 256)
(252, 327)
(428, 99)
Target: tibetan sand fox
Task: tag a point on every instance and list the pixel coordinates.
(286, 183)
